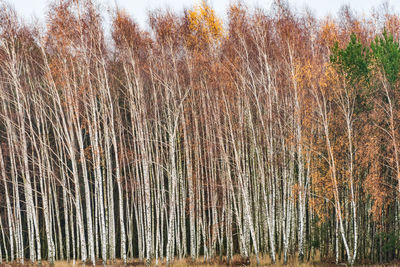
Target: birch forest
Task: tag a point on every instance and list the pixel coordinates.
(270, 134)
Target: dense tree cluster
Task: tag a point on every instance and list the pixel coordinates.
(276, 134)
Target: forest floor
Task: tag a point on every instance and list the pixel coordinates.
(265, 261)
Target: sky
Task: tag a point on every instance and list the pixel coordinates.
(138, 9)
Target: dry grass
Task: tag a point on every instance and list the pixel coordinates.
(236, 261)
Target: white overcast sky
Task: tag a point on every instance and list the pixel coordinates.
(138, 8)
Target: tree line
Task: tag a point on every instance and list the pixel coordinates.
(275, 133)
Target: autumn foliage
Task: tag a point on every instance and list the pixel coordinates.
(274, 133)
